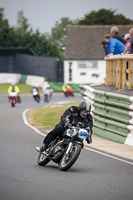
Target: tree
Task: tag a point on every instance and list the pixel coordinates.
(58, 32)
(22, 22)
(23, 37)
(3, 22)
(105, 17)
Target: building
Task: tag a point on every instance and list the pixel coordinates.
(84, 55)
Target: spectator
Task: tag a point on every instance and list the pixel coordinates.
(127, 37)
(115, 46)
(115, 34)
(106, 48)
(129, 46)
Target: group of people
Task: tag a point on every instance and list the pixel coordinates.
(114, 43)
(47, 92)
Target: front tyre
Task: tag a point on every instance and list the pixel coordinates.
(68, 160)
(42, 159)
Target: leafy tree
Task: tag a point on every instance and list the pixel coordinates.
(22, 22)
(105, 17)
(58, 32)
(3, 22)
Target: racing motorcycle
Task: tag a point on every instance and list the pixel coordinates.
(65, 149)
(13, 97)
(36, 96)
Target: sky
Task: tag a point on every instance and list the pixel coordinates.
(43, 14)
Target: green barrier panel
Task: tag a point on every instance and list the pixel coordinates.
(23, 79)
(112, 116)
(109, 135)
(114, 109)
(112, 113)
(113, 129)
(111, 122)
(112, 99)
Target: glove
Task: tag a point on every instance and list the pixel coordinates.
(89, 139)
(68, 125)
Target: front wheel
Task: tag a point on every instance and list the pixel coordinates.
(68, 160)
(42, 159)
(13, 104)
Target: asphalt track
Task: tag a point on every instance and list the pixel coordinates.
(93, 176)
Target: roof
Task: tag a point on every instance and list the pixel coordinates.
(14, 51)
(84, 42)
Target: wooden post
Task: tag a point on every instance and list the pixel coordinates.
(114, 72)
(107, 73)
(130, 74)
(118, 74)
(124, 65)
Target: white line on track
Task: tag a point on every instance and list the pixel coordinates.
(87, 148)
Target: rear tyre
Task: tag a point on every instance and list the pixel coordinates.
(42, 159)
(68, 160)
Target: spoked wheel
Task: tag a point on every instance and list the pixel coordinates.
(68, 160)
(42, 159)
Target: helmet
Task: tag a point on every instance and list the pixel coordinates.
(84, 105)
(84, 108)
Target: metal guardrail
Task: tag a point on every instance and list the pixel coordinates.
(112, 113)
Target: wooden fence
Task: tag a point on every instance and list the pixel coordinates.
(116, 70)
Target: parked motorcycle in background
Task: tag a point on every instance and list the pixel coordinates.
(65, 149)
(13, 97)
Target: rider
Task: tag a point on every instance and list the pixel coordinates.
(71, 117)
(15, 88)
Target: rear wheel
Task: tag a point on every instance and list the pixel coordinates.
(42, 159)
(68, 160)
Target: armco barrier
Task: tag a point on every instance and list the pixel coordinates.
(112, 113)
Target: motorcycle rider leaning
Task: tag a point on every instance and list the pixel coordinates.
(71, 117)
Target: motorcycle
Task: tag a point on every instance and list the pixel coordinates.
(46, 98)
(13, 97)
(36, 96)
(65, 149)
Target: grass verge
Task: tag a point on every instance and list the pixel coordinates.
(24, 89)
(49, 117)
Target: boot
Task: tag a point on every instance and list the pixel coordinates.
(41, 149)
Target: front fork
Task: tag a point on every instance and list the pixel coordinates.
(70, 145)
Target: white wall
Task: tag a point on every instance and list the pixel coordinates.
(83, 72)
(9, 78)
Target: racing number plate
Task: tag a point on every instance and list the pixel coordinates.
(83, 134)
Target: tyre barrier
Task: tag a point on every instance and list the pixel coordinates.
(112, 114)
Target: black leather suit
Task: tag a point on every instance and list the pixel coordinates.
(71, 116)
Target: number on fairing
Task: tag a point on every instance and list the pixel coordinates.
(83, 134)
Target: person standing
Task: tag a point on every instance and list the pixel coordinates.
(115, 34)
(106, 48)
(129, 46)
(115, 46)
